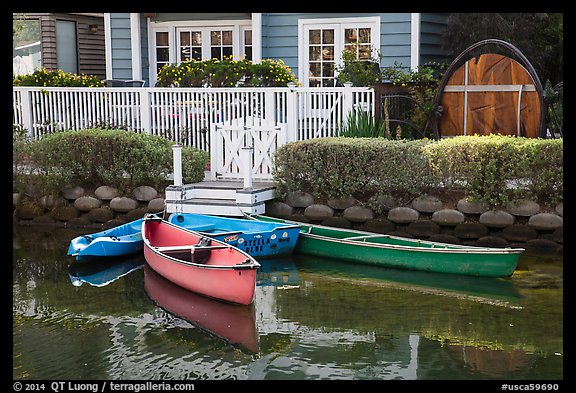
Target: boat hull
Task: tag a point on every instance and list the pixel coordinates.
(227, 273)
(124, 239)
(402, 253)
(256, 238)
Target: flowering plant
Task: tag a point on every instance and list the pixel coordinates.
(44, 77)
(225, 73)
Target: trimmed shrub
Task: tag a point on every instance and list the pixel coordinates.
(360, 167)
(494, 169)
(122, 159)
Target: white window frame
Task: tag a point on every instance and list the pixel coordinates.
(339, 25)
(206, 26)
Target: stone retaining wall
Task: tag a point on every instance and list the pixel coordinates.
(104, 207)
(522, 224)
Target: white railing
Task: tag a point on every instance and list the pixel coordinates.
(186, 114)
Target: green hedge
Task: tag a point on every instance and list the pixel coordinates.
(118, 158)
(494, 169)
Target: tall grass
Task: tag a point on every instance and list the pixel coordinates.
(361, 124)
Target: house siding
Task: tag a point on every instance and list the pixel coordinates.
(121, 46)
(144, 49)
(432, 27)
(280, 36)
(177, 16)
(89, 46)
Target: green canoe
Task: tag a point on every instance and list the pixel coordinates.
(402, 253)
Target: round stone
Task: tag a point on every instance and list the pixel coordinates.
(545, 221)
(523, 208)
(299, 199)
(427, 204)
(403, 215)
(318, 212)
(279, 209)
(145, 193)
(448, 217)
(123, 204)
(496, 219)
(106, 193)
(87, 203)
(358, 214)
(472, 207)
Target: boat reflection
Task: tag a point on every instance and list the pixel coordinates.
(102, 271)
(235, 324)
(500, 291)
(278, 272)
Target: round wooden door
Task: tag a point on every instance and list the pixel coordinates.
(490, 94)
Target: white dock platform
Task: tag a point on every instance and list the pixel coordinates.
(219, 197)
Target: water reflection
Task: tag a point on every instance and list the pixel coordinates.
(312, 319)
(103, 271)
(235, 324)
(499, 291)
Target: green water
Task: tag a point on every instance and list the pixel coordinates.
(312, 319)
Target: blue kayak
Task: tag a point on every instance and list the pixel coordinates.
(256, 238)
(124, 239)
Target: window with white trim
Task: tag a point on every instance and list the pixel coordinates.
(176, 42)
(322, 42)
(246, 42)
(162, 49)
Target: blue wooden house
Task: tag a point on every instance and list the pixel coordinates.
(311, 44)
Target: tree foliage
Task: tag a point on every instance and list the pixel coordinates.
(539, 36)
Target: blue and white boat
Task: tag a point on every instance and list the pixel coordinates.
(258, 239)
(124, 239)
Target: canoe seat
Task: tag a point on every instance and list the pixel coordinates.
(200, 253)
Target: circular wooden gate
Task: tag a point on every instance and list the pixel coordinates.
(490, 94)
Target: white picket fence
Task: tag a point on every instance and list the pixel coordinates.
(219, 120)
(186, 114)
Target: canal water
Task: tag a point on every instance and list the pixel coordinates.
(312, 319)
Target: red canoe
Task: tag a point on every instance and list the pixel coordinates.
(197, 263)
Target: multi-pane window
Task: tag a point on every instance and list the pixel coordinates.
(220, 44)
(190, 45)
(321, 57)
(359, 41)
(247, 35)
(176, 44)
(162, 49)
(323, 41)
